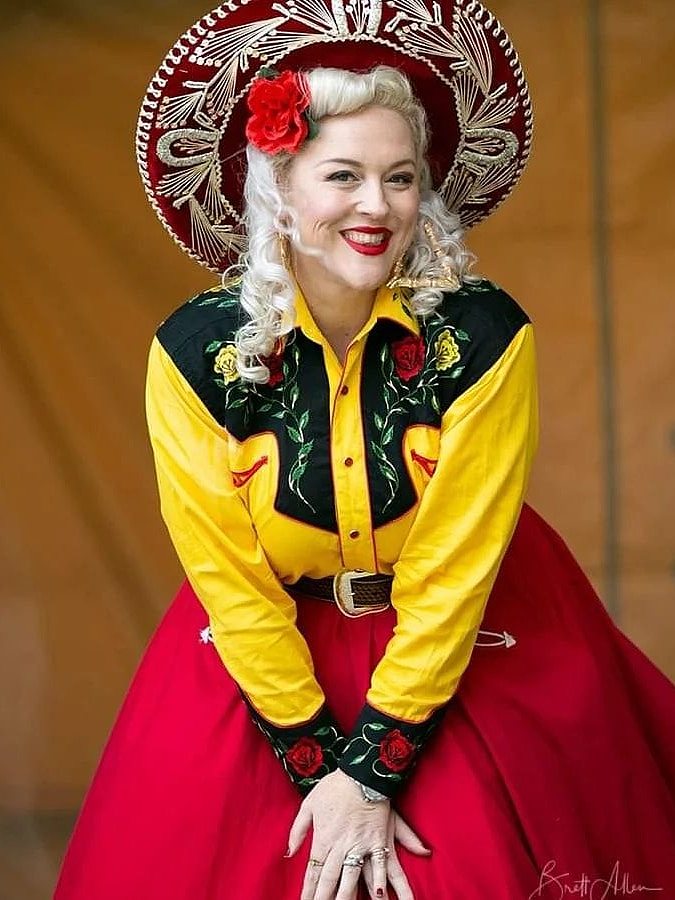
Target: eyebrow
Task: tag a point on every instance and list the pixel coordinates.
(358, 165)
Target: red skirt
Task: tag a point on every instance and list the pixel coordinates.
(554, 763)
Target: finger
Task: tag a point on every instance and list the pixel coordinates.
(299, 828)
(349, 883)
(397, 878)
(331, 872)
(406, 836)
(367, 872)
(378, 864)
(311, 880)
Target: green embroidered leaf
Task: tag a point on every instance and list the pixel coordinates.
(325, 730)
(295, 434)
(221, 383)
(235, 404)
(457, 372)
(359, 759)
(462, 335)
(379, 423)
(279, 415)
(383, 353)
(376, 726)
(388, 436)
(266, 407)
(213, 346)
(295, 393)
(304, 419)
(434, 403)
(386, 395)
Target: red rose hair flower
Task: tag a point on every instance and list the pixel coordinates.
(278, 102)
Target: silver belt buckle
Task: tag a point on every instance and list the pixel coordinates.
(344, 594)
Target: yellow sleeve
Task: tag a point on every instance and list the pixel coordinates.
(449, 564)
(252, 618)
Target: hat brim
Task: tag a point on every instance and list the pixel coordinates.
(462, 65)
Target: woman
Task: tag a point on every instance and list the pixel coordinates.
(343, 436)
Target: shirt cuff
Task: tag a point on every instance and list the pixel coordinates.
(382, 751)
(307, 751)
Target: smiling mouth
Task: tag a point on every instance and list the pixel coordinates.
(368, 243)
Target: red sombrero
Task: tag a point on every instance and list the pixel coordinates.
(191, 128)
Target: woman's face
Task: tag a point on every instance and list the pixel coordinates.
(355, 188)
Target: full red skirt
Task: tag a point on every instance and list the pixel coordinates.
(554, 763)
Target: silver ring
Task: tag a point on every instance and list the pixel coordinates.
(315, 862)
(353, 859)
(379, 853)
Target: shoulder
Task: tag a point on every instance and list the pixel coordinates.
(485, 306)
(198, 338)
(471, 330)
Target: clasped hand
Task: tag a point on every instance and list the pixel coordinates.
(345, 825)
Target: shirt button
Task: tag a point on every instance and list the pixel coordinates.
(349, 461)
(354, 534)
(344, 390)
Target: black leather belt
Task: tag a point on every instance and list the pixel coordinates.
(356, 593)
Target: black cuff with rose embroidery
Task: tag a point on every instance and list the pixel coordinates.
(307, 751)
(382, 751)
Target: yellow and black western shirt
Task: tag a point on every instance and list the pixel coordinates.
(412, 459)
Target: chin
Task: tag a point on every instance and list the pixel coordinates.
(370, 280)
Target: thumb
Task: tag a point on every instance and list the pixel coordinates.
(406, 836)
(299, 829)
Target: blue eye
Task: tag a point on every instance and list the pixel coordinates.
(339, 176)
(403, 178)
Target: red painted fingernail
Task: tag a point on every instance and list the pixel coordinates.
(288, 852)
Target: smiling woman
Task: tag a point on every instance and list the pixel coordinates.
(372, 619)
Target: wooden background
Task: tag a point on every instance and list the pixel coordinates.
(87, 274)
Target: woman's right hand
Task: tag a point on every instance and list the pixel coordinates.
(399, 830)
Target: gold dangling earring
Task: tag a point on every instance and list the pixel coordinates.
(447, 281)
(285, 252)
(397, 272)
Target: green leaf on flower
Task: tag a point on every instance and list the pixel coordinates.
(279, 415)
(359, 759)
(295, 434)
(379, 422)
(213, 346)
(387, 437)
(462, 335)
(312, 128)
(304, 419)
(457, 372)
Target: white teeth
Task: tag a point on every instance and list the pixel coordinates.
(359, 237)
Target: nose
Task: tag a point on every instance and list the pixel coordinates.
(372, 198)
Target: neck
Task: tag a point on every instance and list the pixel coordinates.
(339, 311)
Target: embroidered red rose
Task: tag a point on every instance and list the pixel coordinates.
(396, 751)
(408, 355)
(275, 364)
(305, 756)
(277, 105)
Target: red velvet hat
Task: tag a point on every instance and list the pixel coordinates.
(192, 126)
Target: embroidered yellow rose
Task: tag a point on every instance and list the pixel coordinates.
(446, 350)
(226, 363)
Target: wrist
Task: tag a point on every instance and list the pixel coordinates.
(370, 795)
